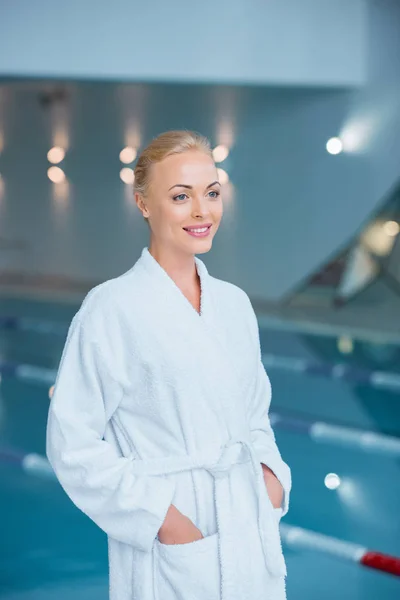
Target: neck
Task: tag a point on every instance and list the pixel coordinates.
(180, 267)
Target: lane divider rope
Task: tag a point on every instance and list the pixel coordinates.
(296, 538)
(377, 379)
(305, 539)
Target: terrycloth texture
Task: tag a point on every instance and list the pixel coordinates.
(155, 404)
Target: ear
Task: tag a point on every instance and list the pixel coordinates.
(141, 204)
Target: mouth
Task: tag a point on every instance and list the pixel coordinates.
(199, 231)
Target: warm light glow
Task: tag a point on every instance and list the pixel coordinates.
(334, 145)
(61, 127)
(222, 176)
(56, 175)
(228, 195)
(60, 194)
(220, 153)
(391, 228)
(127, 175)
(127, 155)
(332, 481)
(56, 154)
(51, 390)
(376, 239)
(345, 344)
(133, 124)
(225, 124)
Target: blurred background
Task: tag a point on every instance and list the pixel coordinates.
(301, 101)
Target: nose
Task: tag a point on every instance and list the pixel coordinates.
(200, 206)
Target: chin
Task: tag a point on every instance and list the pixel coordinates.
(204, 247)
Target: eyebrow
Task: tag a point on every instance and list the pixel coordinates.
(190, 187)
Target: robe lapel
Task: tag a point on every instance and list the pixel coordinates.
(203, 332)
(154, 268)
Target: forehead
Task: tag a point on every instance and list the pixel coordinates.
(189, 168)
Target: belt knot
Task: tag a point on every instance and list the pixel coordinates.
(230, 453)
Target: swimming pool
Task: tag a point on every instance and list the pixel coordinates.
(49, 548)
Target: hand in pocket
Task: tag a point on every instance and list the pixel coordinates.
(183, 531)
(274, 486)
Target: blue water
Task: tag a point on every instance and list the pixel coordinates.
(49, 549)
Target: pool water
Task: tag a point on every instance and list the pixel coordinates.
(49, 549)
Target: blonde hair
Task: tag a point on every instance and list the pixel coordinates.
(167, 143)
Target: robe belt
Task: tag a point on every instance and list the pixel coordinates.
(218, 462)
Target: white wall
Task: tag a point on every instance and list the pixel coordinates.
(322, 201)
(295, 205)
(291, 42)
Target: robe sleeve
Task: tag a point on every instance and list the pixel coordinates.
(262, 434)
(97, 479)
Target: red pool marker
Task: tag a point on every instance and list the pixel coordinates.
(304, 539)
(382, 562)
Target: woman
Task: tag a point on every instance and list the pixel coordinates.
(158, 425)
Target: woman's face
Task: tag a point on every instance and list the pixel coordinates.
(184, 192)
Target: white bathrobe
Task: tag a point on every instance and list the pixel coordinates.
(156, 404)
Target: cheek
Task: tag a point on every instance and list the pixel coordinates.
(218, 211)
(174, 215)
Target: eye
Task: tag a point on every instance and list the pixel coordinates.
(179, 197)
(214, 192)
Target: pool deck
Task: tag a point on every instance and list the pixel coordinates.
(374, 315)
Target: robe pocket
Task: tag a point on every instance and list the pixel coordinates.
(188, 570)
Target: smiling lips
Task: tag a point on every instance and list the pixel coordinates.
(197, 231)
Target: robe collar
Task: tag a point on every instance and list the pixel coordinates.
(158, 272)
